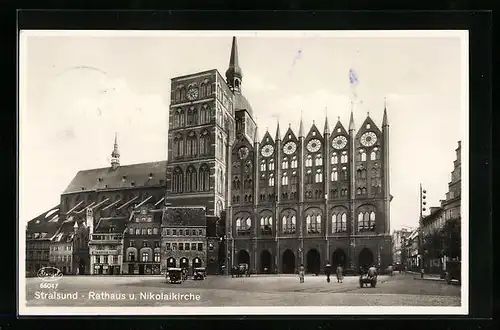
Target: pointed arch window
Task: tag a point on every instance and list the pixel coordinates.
(284, 179)
(288, 224)
(182, 117)
(204, 178)
(177, 119)
(294, 162)
(293, 178)
(248, 184)
(309, 177)
(308, 161)
(319, 160)
(236, 183)
(366, 221)
(284, 163)
(361, 155)
(343, 157)
(344, 173)
(243, 226)
(204, 143)
(334, 176)
(178, 180)
(262, 165)
(318, 178)
(271, 180)
(313, 223)
(266, 226)
(191, 179)
(271, 165)
(334, 159)
(192, 145)
(339, 222)
(182, 94)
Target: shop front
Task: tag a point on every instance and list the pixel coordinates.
(144, 269)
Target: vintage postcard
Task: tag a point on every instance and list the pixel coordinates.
(243, 172)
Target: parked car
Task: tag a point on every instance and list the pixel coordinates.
(199, 273)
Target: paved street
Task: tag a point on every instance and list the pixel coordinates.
(282, 290)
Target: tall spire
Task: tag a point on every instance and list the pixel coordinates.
(278, 133)
(301, 126)
(327, 127)
(233, 73)
(351, 122)
(115, 155)
(385, 122)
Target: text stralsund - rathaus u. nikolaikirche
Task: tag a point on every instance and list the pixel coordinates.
(307, 198)
(283, 200)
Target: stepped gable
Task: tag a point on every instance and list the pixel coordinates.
(184, 216)
(128, 176)
(45, 225)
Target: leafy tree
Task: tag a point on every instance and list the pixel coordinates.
(452, 240)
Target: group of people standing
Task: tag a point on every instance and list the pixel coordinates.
(328, 272)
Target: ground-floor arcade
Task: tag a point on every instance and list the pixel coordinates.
(287, 255)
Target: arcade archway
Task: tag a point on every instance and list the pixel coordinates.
(339, 258)
(196, 262)
(288, 262)
(184, 262)
(313, 262)
(365, 258)
(171, 263)
(243, 257)
(265, 262)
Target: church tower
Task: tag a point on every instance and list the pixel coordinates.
(115, 155)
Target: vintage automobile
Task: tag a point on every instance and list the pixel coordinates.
(174, 275)
(199, 273)
(453, 271)
(367, 278)
(240, 271)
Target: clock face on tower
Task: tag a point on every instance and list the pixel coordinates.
(368, 139)
(314, 145)
(267, 150)
(289, 148)
(339, 142)
(192, 93)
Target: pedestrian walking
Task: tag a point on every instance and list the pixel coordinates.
(328, 272)
(301, 273)
(340, 274)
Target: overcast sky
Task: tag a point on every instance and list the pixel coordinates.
(79, 90)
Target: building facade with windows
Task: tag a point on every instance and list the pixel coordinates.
(291, 199)
(184, 238)
(399, 238)
(39, 233)
(141, 247)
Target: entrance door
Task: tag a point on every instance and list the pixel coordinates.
(313, 262)
(141, 269)
(365, 258)
(265, 262)
(339, 258)
(131, 269)
(288, 262)
(243, 257)
(81, 267)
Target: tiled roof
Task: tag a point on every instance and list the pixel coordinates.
(66, 231)
(128, 176)
(45, 225)
(104, 225)
(184, 216)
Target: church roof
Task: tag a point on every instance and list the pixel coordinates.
(241, 103)
(184, 216)
(45, 225)
(128, 176)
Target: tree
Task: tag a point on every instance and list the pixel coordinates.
(452, 240)
(433, 245)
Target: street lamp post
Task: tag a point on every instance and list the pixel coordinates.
(420, 231)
